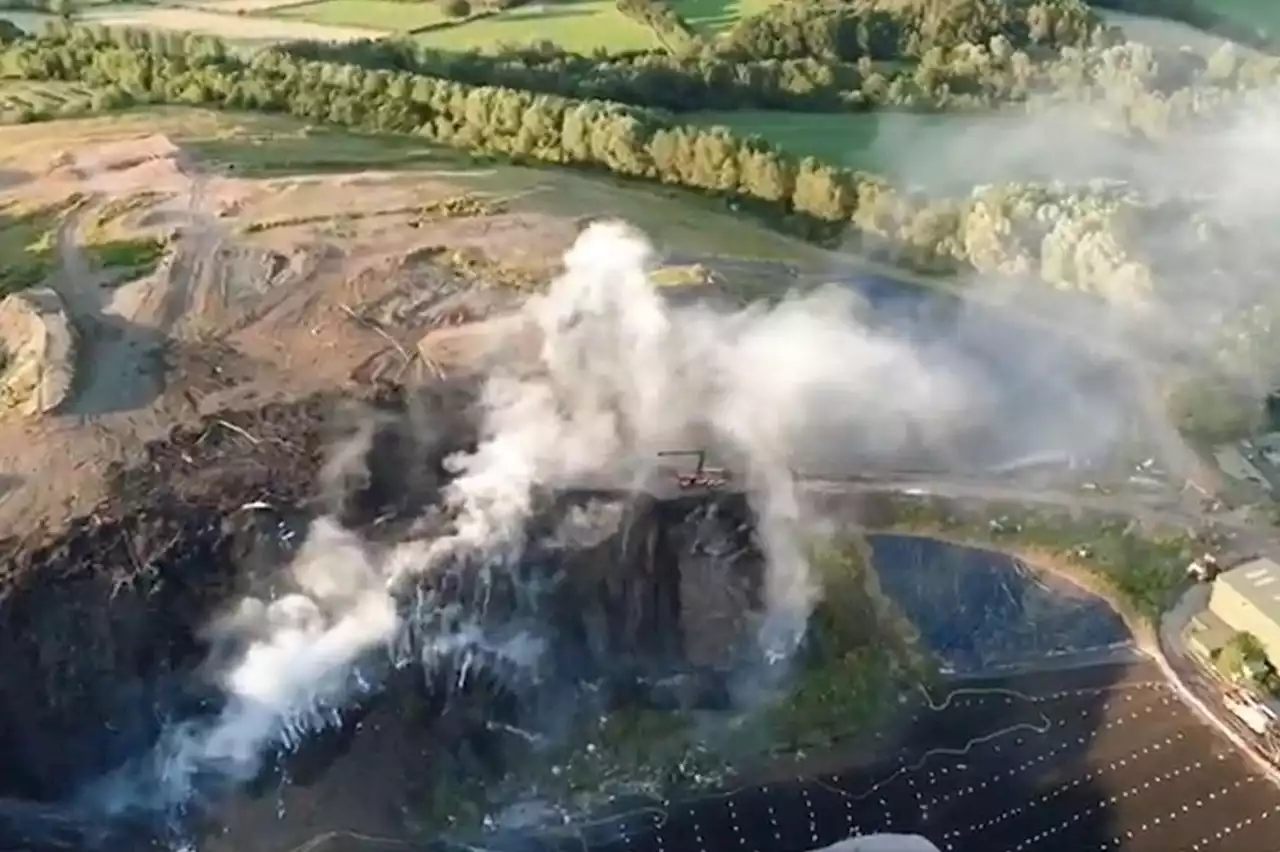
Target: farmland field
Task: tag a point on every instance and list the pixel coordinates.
(391, 15)
(234, 7)
(578, 25)
(227, 26)
(257, 29)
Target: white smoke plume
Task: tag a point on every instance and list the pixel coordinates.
(621, 377)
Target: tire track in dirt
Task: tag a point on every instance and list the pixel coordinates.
(118, 365)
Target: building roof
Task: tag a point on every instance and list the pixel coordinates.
(1210, 630)
(1235, 464)
(1257, 581)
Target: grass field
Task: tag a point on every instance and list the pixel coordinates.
(1263, 14)
(940, 152)
(391, 15)
(715, 16)
(1163, 33)
(578, 25)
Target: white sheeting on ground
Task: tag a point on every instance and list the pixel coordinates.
(882, 843)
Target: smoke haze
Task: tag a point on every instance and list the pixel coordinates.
(621, 376)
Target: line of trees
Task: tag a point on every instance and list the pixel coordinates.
(1142, 91)
(672, 31)
(1086, 239)
(798, 56)
(1011, 229)
(130, 67)
(875, 30)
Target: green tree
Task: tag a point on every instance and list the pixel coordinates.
(457, 8)
(1242, 656)
(64, 9)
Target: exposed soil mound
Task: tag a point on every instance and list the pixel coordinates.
(209, 283)
(149, 162)
(443, 289)
(39, 352)
(105, 617)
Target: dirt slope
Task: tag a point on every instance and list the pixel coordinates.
(267, 289)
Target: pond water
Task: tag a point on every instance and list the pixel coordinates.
(978, 609)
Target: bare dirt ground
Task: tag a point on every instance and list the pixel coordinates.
(268, 290)
(233, 7)
(231, 19)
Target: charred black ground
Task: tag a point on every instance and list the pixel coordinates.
(102, 618)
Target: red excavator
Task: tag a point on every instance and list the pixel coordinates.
(702, 476)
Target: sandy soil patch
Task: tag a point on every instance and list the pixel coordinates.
(39, 352)
(232, 7)
(225, 26)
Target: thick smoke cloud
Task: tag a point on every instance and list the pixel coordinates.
(620, 376)
(1212, 250)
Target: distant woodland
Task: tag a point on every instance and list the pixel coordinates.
(621, 114)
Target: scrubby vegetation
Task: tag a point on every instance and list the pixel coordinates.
(858, 656)
(1244, 657)
(27, 243)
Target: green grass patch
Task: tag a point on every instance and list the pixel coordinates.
(713, 17)
(391, 15)
(946, 153)
(1263, 15)
(674, 219)
(137, 254)
(27, 247)
(582, 26)
(858, 654)
(1163, 33)
(301, 150)
(847, 139)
